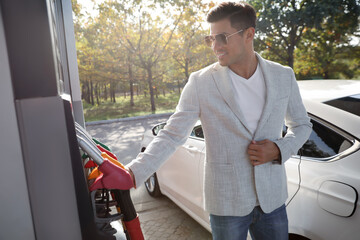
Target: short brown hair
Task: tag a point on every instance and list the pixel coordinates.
(241, 15)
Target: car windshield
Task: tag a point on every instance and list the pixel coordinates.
(349, 104)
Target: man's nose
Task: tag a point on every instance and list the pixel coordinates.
(216, 45)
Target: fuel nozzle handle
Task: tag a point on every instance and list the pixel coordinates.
(113, 177)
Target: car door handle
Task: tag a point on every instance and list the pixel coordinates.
(192, 149)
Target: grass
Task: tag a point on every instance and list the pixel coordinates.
(122, 109)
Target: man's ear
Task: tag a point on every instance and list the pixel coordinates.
(250, 33)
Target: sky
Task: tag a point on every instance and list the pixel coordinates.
(88, 5)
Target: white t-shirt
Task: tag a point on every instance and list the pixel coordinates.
(251, 95)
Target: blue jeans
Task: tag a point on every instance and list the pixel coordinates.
(262, 226)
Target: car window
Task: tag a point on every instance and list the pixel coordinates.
(197, 132)
(350, 104)
(324, 142)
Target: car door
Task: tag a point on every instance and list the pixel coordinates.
(179, 177)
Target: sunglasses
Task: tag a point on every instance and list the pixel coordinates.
(220, 38)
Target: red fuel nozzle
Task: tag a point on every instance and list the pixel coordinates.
(96, 172)
(113, 177)
(108, 152)
(90, 164)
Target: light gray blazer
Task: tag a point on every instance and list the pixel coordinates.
(231, 183)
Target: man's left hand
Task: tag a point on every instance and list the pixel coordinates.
(261, 152)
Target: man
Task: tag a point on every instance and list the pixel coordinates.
(242, 102)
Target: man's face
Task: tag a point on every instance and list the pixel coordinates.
(232, 53)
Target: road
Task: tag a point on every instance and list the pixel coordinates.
(160, 218)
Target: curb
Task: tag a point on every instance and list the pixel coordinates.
(127, 119)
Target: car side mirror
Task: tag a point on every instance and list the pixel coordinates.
(156, 129)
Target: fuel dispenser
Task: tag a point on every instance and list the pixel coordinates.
(44, 185)
(112, 177)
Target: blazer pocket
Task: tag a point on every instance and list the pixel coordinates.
(219, 178)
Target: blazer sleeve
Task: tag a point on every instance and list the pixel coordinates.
(297, 122)
(174, 134)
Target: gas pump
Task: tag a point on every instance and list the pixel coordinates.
(45, 192)
(114, 178)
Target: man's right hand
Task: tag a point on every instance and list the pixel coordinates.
(132, 175)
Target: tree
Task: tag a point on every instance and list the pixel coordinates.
(188, 48)
(324, 46)
(281, 24)
(147, 37)
(114, 62)
(85, 54)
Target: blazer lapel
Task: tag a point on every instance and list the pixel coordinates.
(226, 89)
(270, 92)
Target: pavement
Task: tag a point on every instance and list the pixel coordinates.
(160, 218)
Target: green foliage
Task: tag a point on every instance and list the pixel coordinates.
(281, 25)
(122, 108)
(188, 52)
(325, 45)
(323, 25)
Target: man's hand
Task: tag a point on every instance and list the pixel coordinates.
(113, 177)
(262, 152)
(131, 174)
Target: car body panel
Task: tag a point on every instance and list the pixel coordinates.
(325, 90)
(306, 214)
(337, 198)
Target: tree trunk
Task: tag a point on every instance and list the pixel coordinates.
(131, 81)
(290, 58)
(105, 92)
(89, 92)
(326, 67)
(85, 91)
(113, 95)
(187, 70)
(291, 47)
(131, 93)
(151, 90)
(112, 92)
(92, 93)
(179, 87)
(97, 93)
(326, 73)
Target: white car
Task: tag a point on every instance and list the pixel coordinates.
(323, 179)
